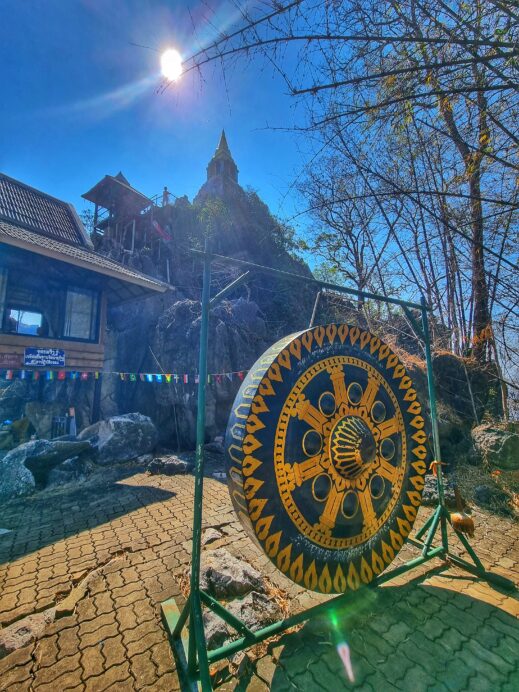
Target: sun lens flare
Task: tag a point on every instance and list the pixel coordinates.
(171, 64)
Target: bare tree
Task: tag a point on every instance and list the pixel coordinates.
(417, 100)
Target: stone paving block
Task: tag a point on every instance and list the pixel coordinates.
(96, 623)
(113, 651)
(68, 641)
(146, 642)
(116, 674)
(126, 594)
(92, 661)
(68, 664)
(46, 652)
(143, 611)
(142, 669)
(103, 602)
(86, 611)
(98, 635)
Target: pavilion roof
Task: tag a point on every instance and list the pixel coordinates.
(115, 191)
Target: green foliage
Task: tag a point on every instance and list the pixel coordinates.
(271, 229)
(213, 217)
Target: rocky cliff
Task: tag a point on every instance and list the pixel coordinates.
(161, 334)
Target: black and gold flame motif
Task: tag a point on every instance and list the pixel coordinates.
(326, 454)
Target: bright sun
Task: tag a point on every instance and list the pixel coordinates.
(171, 64)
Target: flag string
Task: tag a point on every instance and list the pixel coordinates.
(162, 377)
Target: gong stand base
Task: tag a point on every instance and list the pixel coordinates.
(189, 643)
(175, 620)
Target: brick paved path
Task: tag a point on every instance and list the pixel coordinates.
(106, 555)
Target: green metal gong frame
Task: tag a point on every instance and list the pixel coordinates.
(188, 642)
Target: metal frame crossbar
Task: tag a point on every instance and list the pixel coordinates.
(192, 657)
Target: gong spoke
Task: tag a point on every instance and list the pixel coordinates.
(387, 471)
(366, 505)
(388, 427)
(370, 393)
(331, 509)
(306, 411)
(339, 385)
(305, 470)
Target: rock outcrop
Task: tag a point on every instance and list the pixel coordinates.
(28, 465)
(121, 438)
(224, 576)
(498, 445)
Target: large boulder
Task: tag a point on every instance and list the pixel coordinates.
(498, 444)
(28, 465)
(15, 478)
(121, 438)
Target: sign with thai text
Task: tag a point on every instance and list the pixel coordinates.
(44, 357)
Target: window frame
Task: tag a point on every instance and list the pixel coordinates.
(73, 288)
(67, 287)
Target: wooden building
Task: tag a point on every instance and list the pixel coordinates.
(127, 225)
(54, 288)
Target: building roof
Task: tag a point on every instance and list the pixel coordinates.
(115, 191)
(38, 212)
(122, 283)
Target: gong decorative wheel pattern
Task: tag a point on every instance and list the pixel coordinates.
(326, 456)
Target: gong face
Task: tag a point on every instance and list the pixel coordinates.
(326, 456)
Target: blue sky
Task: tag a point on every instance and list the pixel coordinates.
(79, 101)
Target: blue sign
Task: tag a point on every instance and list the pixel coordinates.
(44, 357)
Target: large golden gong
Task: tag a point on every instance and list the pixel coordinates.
(326, 456)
